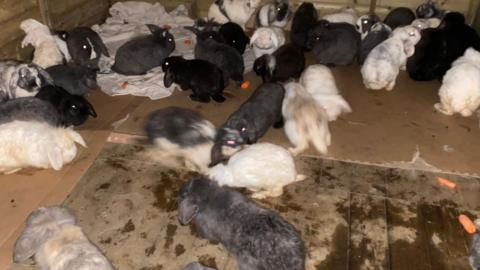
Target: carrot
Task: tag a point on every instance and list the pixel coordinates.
(188, 41)
(124, 85)
(446, 182)
(245, 85)
(467, 224)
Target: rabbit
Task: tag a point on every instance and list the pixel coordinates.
(266, 40)
(197, 266)
(400, 16)
(274, 14)
(378, 33)
(77, 80)
(36, 144)
(460, 90)
(263, 168)
(29, 109)
(237, 11)
(365, 23)
(233, 35)
(474, 258)
(72, 110)
(439, 47)
(345, 15)
(429, 10)
(139, 55)
(19, 79)
(318, 80)
(303, 20)
(334, 43)
(183, 133)
(46, 52)
(250, 121)
(285, 63)
(57, 242)
(306, 121)
(382, 65)
(258, 237)
(204, 78)
(84, 46)
(228, 59)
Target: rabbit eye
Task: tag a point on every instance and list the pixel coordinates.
(170, 39)
(22, 75)
(365, 21)
(317, 38)
(412, 34)
(234, 41)
(74, 107)
(85, 47)
(243, 129)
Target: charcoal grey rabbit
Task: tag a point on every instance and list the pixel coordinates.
(143, 53)
(29, 109)
(428, 10)
(233, 35)
(378, 33)
(52, 236)
(287, 62)
(72, 109)
(258, 237)
(77, 80)
(399, 16)
(251, 121)
(304, 18)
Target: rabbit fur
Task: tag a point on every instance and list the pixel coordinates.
(429, 10)
(304, 18)
(274, 14)
(18, 79)
(77, 80)
(197, 266)
(139, 55)
(345, 15)
(378, 33)
(460, 90)
(400, 16)
(382, 65)
(36, 144)
(263, 168)
(29, 109)
(318, 80)
(250, 121)
(285, 63)
(365, 23)
(237, 11)
(421, 24)
(38, 35)
(204, 78)
(182, 133)
(258, 238)
(52, 236)
(233, 35)
(306, 121)
(266, 40)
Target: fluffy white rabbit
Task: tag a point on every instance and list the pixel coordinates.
(237, 11)
(305, 120)
(383, 63)
(46, 53)
(460, 90)
(263, 168)
(318, 80)
(36, 144)
(57, 243)
(266, 40)
(345, 15)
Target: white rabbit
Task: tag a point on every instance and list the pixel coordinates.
(345, 15)
(237, 11)
(46, 53)
(305, 120)
(318, 80)
(460, 90)
(266, 40)
(263, 168)
(383, 63)
(36, 144)
(57, 243)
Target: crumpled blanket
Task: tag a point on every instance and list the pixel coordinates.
(127, 21)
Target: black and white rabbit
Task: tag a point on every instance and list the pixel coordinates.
(143, 53)
(258, 237)
(365, 23)
(72, 109)
(285, 63)
(304, 18)
(237, 11)
(400, 16)
(204, 78)
(334, 43)
(250, 122)
(77, 80)
(183, 133)
(274, 14)
(378, 33)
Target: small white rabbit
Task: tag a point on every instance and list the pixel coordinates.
(57, 243)
(383, 63)
(263, 168)
(345, 15)
(318, 80)
(36, 144)
(237, 11)
(305, 120)
(266, 40)
(460, 90)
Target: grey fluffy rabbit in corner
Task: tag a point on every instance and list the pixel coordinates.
(52, 236)
(258, 237)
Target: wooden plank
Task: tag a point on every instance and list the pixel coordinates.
(10, 9)
(84, 13)
(11, 30)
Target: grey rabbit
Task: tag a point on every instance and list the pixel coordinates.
(303, 20)
(29, 109)
(378, 33)
(399, 16)
(52, 236)
(286, 63)
(259, 238)
(77, 80)
(139, 55)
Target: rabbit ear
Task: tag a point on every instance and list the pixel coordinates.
(168, 78)
(408, 48)
(62, 35)
(187, 210)
(274, 39)
(193, 29)
(55, 157)
(98, 43)
(154, 28)
(32, 237)
(77, 138)
(254, 37)
(216, 155)
(91, 110)
(44, 76)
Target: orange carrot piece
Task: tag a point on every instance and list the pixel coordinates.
(245, 85)
(446, 182)
(188, 41)
(124, 85)
(467, 224)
